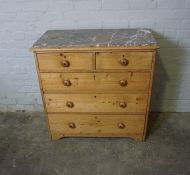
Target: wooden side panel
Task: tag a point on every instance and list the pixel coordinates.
(53, 62)
(133, 103)
(149, 95)
(95, 81)
(112, 60)
(63, 125)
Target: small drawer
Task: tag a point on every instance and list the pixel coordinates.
(60, 62)
(97, 103)
(124, 60)
(63, 125)
(129, 81)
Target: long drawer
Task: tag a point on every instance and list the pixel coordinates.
(116, 103)
(60, 62)
(124, 60)
(95, 81)
(62, 125)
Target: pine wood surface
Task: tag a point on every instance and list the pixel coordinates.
(54, 61)
(129, 81)
(136, 60)
(63, 125)
(95, 91)
(135, 103)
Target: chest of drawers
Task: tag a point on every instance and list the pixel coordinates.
(96, 83)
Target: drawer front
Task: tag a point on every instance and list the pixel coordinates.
(124, 60)
(60, 62)
(95, 81)
(118, 103)
(96, 125)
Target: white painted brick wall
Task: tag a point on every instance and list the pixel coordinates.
(23, 21)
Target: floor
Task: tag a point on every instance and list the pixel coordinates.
(25, 149)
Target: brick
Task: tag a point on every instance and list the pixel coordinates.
(168, 4)
(28, 98)
(90, 15)
(60, 6)
(5, 17)
(28, 89)
(87, 4)
(185, 24)
(7, 101)
(32, 35)
(187, 4)
(63, 24)
(10, 6)
(115, 24)
(27, 26)
(142, 24)
(20, 44)
(184, 43)
(136, 15)
(172, 14)
(183, 34)
(115, 5)
(33, 108)
(18, 35)
(139, 4)
(32, 6)
(51, 16)
(89, 24)
(6, 52)
(168, 24)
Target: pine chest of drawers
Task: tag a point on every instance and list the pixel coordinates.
(96, 83)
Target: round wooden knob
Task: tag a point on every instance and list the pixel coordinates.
(67, 83)
(121, 125)
(65, 63)
(123, 105)
(70, 104)
(123, 82)
(72, 125)
(124, 62)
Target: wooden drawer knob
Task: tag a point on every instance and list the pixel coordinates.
(72, 125)
(123, 82)
(65, 63)
(124, 62)
(123, 105)
(70, 104)
(67, 83)
(121, 125)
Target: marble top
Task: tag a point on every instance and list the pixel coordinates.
(95, 38)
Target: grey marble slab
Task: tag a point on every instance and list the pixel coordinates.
(95, 38)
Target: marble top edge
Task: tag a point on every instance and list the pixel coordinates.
(95, 38)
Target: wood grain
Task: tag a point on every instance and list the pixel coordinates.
(94, 104)
(135, 103)
(95, 81)
(96, 125)
(149, 96)
(53, 62)
(136, 60)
